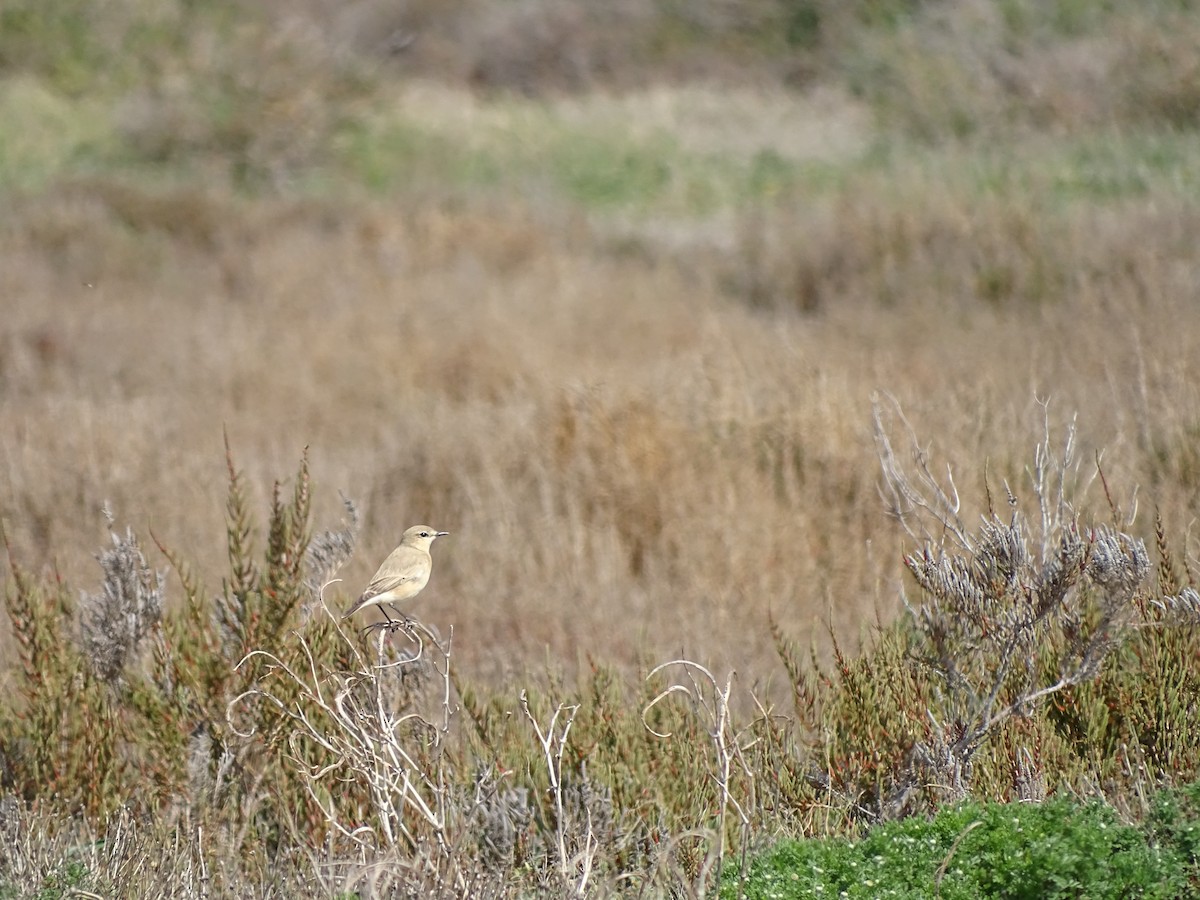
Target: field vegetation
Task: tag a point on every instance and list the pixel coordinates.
(838, 356)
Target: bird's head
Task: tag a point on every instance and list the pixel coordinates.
(422, 536)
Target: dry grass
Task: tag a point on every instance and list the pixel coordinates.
(631, 460)
(643, 416)
(607, 443)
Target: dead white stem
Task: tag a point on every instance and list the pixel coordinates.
(914, 504)
(713, 701)
(553, 741)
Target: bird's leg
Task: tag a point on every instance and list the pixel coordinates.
(406, 621)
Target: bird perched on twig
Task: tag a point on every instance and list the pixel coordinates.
(403, 574)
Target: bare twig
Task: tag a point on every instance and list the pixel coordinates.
(712, 701)
(577, 869)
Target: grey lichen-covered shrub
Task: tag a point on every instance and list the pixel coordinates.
(1027, 604)
(502, 821)
(114, 621)
(1003, 628)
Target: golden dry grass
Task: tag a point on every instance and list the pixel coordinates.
(633, 462)
(641, 407)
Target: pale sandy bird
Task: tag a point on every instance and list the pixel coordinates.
(403, 574)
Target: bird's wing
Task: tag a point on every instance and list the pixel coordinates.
(402, 567)
(386, 581)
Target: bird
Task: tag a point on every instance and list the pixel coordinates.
(403, 574)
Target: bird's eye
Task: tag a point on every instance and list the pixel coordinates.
(424, 534)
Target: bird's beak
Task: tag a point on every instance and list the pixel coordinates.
(442, 533)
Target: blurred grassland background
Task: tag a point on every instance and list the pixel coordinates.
(604, 290)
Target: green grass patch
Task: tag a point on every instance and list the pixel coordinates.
(600, 172)
(398, 154)
(680, 153)
(47, 134)
(1099, 167)
(604, 167)
(656, 175)
(1118, 166)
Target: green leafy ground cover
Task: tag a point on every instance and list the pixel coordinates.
(1055, 849)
